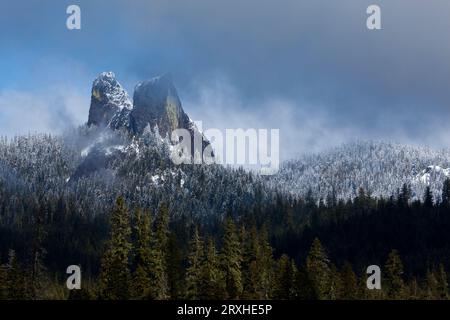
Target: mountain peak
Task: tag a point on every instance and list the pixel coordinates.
(155, 105)
(108, 98)
(156, 102)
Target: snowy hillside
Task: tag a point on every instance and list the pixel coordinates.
(380, 168)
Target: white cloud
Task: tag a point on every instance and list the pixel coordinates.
(49, 111)
(303, 128)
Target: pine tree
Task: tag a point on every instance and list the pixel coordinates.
(159, 275)
(257, 264)
(16, 288)
(414, 289)
(264, 265)
(431, 286)
(250, 271)
(143, 254)
(442, 287)
(336, 284)
(428, 198)
(231, 260)
(162, 227)
(115, 273)
(394, 273)
(405, 195)
(284, 278)
(3, 284)
(318, 267)
(193, 272)
(37, 270)
(175, 270)
(303, 286)
(212, 285)
(350, 282)
(446, 193)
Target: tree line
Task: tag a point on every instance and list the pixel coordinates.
(145, 258)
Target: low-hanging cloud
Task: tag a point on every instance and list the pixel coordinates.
(310, 67)
(52, 111)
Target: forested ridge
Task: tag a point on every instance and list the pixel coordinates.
(142, 228)
(138, 254)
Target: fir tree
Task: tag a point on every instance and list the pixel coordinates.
(175, 270)
(3, 283)
(318, 267)
(350, 282)
(115, 273)
(303, 286)
(162, 227)
(414, 289)
(405, 195)
(37, 269)
(250, 272)
(394, 276)
(159, 275)
(442, 287)
(284, 278)
(231, 260)
(446, 193)
(193, 272)
(336, 284)
(428, 198)
(212, 285)
(431, 286)
(16, 288)
(143, 254)
(264, 265)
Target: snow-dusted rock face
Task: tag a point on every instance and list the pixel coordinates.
(156, 103)
(156, 108)
(108, 98)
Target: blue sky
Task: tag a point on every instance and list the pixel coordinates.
(308, 67)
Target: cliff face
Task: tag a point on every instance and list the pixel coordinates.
(156, 103)
(156, 107)
(107, 99)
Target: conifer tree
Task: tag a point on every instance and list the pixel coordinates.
(428, 198)
(3, 275)
(143, 254)
(37, 270)
(431, 286)
(159, 275)
(336, 284)
(258, 265)
(303, 287)
(193, 272)
(115, 273)
(162, 227)
(405, 195)
(231, 260)
(175, 270)
(264, 265)
(414, 289)
(15, 279)
(350, 282)
(318, 267)
(442, 287)
(446, 193)
(212, 285)
(250, 272)
(284, 278)
(394, 276)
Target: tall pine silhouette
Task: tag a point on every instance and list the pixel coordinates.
(115, 272)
